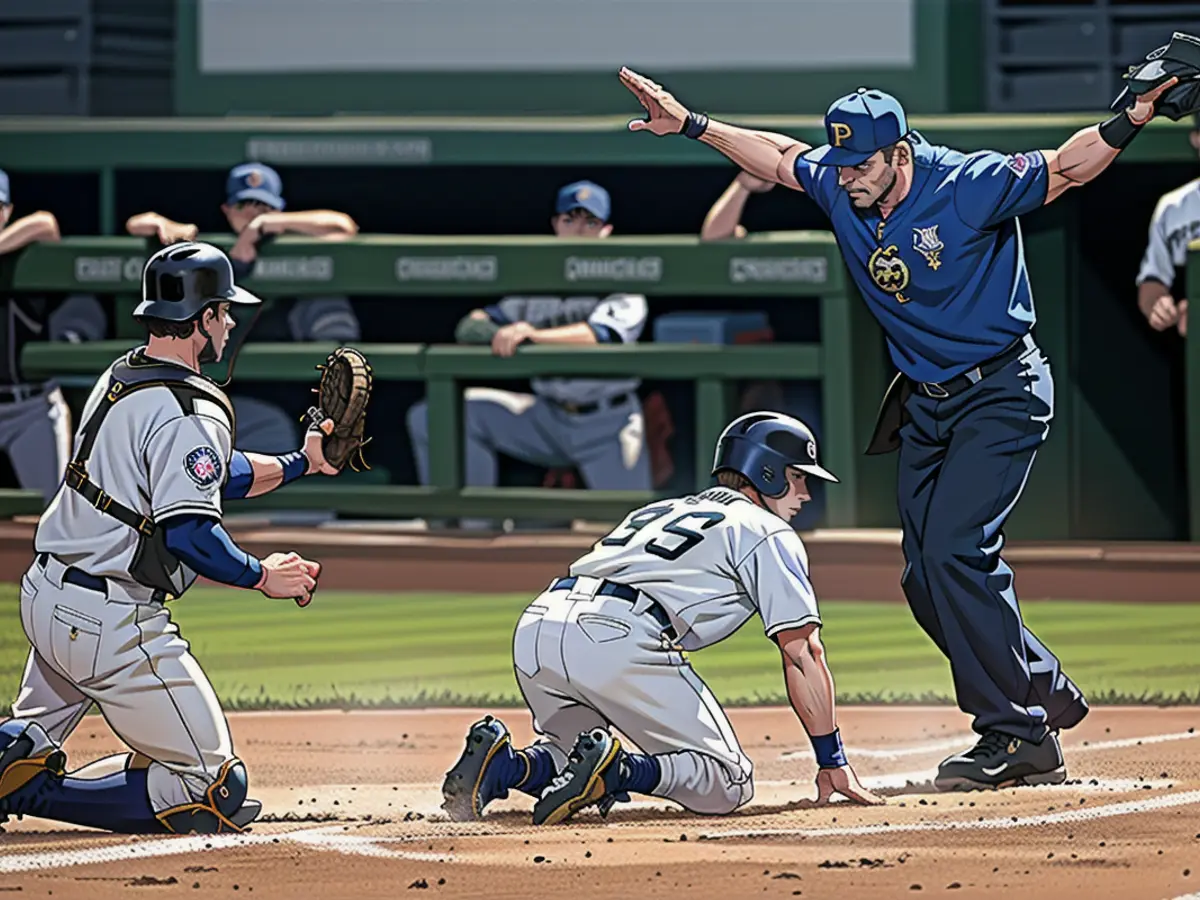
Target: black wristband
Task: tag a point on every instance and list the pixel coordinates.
(1118, 131)
(694, 125)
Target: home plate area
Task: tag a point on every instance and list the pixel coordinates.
(352, 809)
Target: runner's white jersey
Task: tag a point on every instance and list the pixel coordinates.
(711, 561)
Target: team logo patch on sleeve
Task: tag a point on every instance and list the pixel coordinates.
(1018, 162)
(203, 466)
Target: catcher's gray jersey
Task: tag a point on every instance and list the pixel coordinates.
(1176, 222)
(151, 455)
(711, 561)
(624, 314)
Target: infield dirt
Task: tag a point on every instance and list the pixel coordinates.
(351, 809)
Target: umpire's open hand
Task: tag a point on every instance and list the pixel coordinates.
(664, 114)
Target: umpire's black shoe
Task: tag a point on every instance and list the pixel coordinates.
(1001, 761)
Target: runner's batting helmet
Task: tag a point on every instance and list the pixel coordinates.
(762, 445)
(180, 280)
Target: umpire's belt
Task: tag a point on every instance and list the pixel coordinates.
(80, 578)
(629, 595)
(958, 384)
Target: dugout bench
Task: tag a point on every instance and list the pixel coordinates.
(847, 361)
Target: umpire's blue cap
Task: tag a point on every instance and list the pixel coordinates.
(585, 195)
(857, 126)
(254, 181)
(5, 196)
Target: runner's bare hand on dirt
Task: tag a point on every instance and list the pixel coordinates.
(843, 781)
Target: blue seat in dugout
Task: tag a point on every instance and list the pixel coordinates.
(801, 399)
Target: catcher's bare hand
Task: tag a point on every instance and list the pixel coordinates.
(289, 576)
(664, 114)
(509, 337)
(1143, 111)
(314, 450)
(1181, 325)
(843, 781)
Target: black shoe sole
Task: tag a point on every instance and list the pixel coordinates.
(460, 790)
(962, 783)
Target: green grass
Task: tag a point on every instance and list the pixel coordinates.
(362, 650)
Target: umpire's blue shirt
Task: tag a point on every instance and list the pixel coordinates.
(944, 273)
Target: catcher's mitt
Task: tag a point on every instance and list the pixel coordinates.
(344, 392)
(1178, 59)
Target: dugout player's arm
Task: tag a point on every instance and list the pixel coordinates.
(1156, 276)
(724, 220)
(322, 223)
(617, 319)
(38, 226)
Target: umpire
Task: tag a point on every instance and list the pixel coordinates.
(931, 239)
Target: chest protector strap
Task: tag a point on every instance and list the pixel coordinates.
(129, 375)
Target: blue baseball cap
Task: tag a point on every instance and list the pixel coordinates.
(254, 181)
(584, 195)
(857, 126)
(5, 196)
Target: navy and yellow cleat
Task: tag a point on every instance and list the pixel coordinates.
(591, 776)
(26, 752)
(474, 782)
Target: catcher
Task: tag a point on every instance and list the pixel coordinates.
(136, 521)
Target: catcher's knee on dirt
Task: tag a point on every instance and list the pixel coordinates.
(217, 809)
(705, 784)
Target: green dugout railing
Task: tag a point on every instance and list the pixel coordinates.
(846, 361)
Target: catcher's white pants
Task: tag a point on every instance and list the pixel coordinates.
(585, 660)
(128, 659)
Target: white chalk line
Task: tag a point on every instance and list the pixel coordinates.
(143, 849)
(967, 740)
(1130, 807)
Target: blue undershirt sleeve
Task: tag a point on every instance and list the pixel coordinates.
(241, 477)
(203, 544)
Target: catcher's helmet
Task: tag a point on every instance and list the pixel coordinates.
(180, 280)
(761, 446)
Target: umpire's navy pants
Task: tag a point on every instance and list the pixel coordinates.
(963, 464)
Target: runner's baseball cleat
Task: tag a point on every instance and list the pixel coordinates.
(474, 781)
(592, 775)
(999, 760)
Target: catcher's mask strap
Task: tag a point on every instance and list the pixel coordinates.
(233, 349)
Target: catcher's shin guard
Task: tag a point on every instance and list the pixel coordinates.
(120, 803)
(225, 807)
